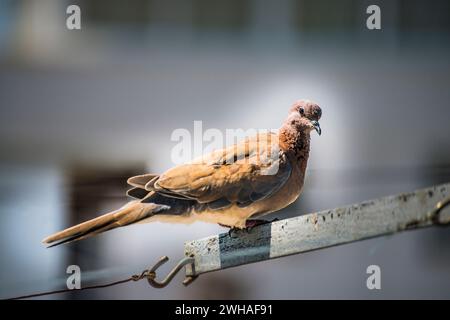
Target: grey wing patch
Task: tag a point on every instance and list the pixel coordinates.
(266, 184)
(173, 206)
(244, 204)
(175, 195)
(137, 193)
(141, 180)
(219, 204)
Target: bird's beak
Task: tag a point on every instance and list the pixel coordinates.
(317, 126)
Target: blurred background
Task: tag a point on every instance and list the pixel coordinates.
(81, 110)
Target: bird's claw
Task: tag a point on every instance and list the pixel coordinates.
(249, 225)
(232, 231)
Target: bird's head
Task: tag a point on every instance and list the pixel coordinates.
(305, 116)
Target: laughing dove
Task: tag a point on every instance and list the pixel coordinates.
(256, 176)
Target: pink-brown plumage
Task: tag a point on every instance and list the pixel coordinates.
(215, 189)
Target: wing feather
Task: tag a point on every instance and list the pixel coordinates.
(141, 180)
(243, 173)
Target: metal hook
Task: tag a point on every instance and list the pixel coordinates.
(151, 278)
(435, 213)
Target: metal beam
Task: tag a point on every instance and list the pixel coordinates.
(314, 231)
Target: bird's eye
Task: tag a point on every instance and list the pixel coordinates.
(302, 111)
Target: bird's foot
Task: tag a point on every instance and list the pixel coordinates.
(231, 230)
(250, 224)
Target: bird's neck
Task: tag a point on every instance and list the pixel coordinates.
(296, 144)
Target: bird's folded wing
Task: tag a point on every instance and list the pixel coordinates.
(243, 173)
(141, 180)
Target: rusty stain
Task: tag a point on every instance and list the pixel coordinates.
(315, 220)
(340, 211)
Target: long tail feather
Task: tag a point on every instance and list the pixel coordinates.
(132, 212)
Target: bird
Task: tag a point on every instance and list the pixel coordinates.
(232, 187)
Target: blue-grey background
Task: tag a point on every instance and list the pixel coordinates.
(82, 110)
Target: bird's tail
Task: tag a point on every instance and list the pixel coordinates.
(132, 212)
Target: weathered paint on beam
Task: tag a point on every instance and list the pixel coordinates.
(320, 230)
